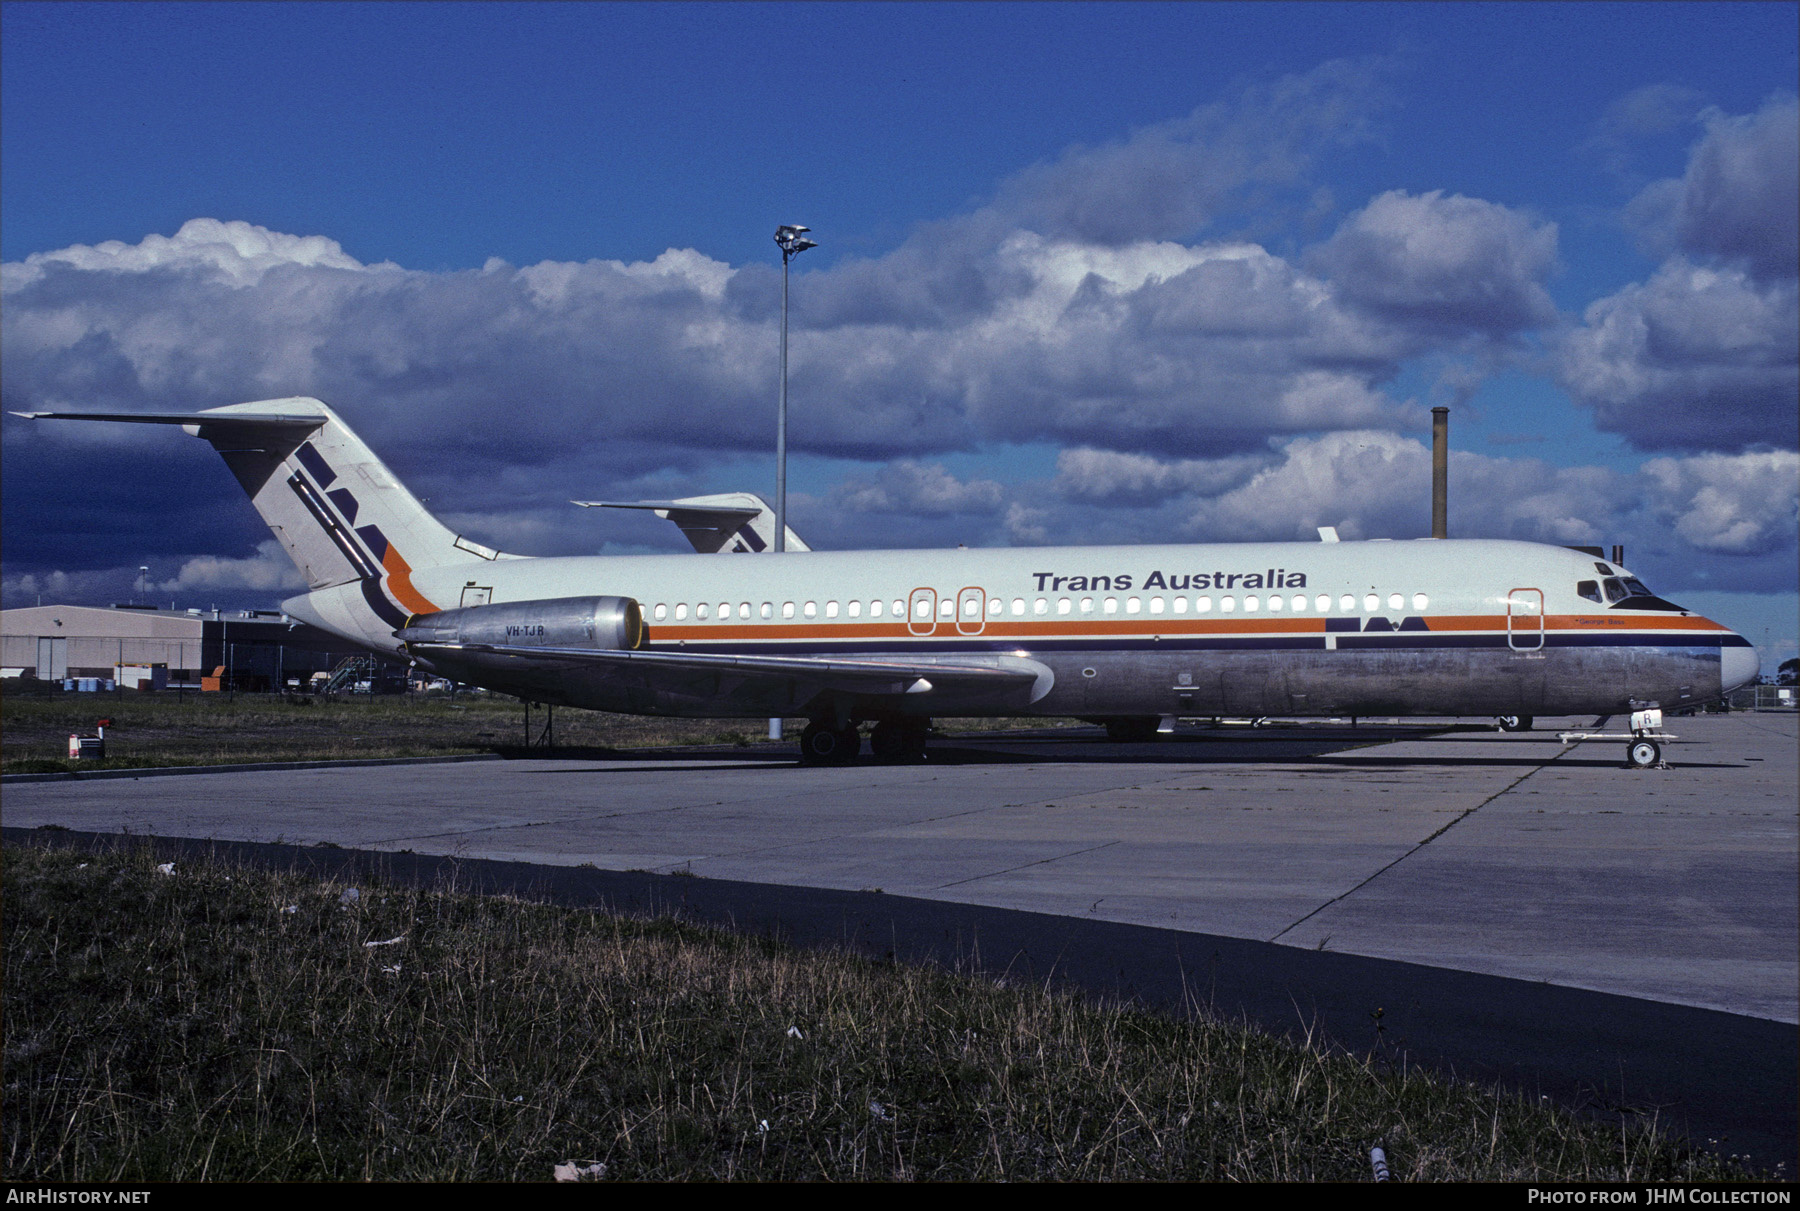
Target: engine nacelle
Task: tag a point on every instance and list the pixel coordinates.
(610, 623)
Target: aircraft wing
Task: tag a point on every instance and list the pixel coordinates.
(779, 680)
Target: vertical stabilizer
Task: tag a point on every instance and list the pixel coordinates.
(337, 511)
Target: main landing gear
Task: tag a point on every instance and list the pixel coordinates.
(822, 744)
(891, 741)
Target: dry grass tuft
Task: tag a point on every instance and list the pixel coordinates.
(223, 1023)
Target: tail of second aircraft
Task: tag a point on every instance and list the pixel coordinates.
(342, 517)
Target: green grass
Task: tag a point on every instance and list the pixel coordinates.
(228, 1024)
(170, 729)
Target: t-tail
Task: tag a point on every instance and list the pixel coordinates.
(356, 534)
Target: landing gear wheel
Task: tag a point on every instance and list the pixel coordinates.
(822, 745)
(1643, 754)
(1515, 723)
(897, 742)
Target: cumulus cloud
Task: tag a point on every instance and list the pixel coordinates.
(911, 487)
(1705, 355)
(1451, 264)
(1170, 180)
(238, 251)
(1739, 200)
(1741, 505)
(1113, 475)
(269, 570)
(1114, 302)
(1695, 358)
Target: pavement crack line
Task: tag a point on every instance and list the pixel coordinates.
(1028, 865)
(1464, 815)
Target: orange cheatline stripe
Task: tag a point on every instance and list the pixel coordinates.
(399, 579)
(1575, 622)
(1171, 628)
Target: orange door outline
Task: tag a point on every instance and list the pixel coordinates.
(978, 622)
(1524, 619)
(915, 624)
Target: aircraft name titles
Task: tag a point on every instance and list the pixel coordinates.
(1269, 578)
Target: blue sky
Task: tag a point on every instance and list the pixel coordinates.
(1086, 272)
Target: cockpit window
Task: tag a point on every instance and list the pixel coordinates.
(1589, 589)
(1636, 588)
(1614, 590)
(1602, 569)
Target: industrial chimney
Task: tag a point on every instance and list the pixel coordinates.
(1440, 472)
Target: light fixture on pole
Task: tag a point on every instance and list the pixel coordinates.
(792, 241)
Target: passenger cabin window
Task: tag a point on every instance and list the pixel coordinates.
(831, 609)
(700, 611)
(1420, 601)
(680, 611)
(660, 612)
(810, 609)
(1589, 589)
(854, 609)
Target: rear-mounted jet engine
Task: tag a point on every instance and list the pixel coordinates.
(605, 623)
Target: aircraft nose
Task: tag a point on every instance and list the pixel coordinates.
(1738, 664)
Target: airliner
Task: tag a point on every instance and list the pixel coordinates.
(1130, 636)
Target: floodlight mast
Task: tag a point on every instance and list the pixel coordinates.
(791, 238)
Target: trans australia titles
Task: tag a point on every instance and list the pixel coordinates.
(1269, 578)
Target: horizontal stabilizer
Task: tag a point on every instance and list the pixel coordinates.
(301, 421)
(725, 522)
